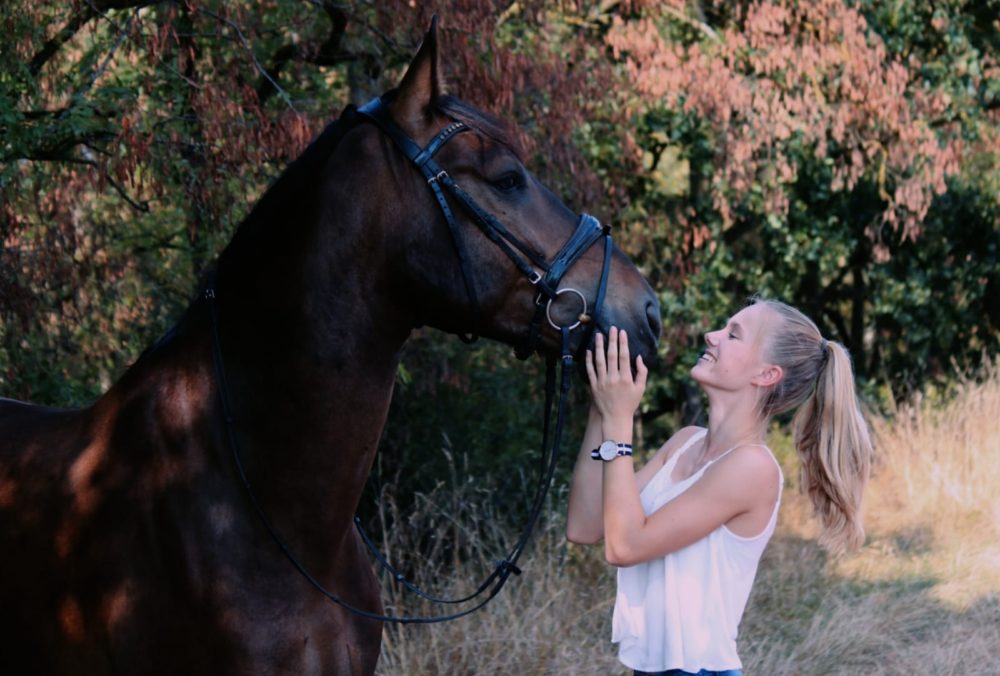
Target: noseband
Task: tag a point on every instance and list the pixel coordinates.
(542, 274)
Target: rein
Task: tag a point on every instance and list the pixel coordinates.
(588, 231)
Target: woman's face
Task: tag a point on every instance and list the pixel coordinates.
(733, 355)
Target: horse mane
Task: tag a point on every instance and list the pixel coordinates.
(300, 176)
(303, 172)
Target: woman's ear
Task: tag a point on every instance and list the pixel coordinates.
(769, 376)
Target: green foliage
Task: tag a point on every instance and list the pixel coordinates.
(134, 137)
(476, 407)
(816, 217)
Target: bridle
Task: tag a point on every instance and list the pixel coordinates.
(588, 231)
(525, 259)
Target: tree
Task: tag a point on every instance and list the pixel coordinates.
(810, 150)
(830, 152)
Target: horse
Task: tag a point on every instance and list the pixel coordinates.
(128, 542)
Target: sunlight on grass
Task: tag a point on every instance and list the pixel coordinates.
(922, 595)
(939, 475)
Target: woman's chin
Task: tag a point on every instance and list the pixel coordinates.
(697, 374)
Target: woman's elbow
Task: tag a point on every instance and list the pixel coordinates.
(582, 536)
(618, 555)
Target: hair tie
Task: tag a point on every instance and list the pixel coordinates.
(824, 351)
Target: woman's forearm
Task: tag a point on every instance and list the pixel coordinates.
(621, 509)
(584, 521)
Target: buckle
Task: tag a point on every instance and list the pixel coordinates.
(437, 177)
(534, 277)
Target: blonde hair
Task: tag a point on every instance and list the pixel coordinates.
(831, 436)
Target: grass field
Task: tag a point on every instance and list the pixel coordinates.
(921, 597)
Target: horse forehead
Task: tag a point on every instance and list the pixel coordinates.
(476, 146)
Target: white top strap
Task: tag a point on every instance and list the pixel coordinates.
(725, 453)
(697, 436)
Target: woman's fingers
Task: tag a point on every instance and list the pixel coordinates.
(615, 360)
(641, 372)
(624, 365)
(591, 373)
(600, 365)
(613, 352)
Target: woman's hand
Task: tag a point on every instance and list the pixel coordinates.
(616, 394)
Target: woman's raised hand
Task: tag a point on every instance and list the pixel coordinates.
(615, 392)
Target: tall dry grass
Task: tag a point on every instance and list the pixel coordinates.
(921, 597)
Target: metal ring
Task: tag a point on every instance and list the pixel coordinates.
(548, 309)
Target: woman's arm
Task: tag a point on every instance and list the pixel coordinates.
(744, 482)
(585, 517)
(584, 521)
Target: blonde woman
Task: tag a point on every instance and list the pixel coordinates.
(688, 529)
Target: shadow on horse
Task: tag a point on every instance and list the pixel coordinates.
(129, 542)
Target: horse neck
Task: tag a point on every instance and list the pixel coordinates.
(309, 336)
(310, 346)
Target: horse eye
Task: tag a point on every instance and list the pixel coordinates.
(509, 182)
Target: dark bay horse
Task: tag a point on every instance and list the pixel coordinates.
(128, 544)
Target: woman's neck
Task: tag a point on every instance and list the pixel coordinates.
(732, 422)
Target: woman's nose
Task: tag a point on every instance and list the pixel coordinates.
(710, 337)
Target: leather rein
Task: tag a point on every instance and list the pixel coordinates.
(588, 231)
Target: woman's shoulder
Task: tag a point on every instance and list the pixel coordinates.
(748, 465)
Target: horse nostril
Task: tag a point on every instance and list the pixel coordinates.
(653, 317)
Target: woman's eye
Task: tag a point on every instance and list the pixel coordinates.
(509, 182)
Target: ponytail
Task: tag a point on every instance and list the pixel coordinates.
(831, 436)
(835, 451)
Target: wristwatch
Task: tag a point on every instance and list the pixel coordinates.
(609, 450)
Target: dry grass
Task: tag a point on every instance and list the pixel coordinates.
(921, 597)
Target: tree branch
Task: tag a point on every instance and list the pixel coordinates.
(740, 228)
(92, 9)
(122, 34)
(135, 204)
(327, 54)
(838, 322)
(699, 24)
(138, 206)
(58, 149)
(253, 57)
(52, 46)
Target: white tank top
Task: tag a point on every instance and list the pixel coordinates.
(682, 611)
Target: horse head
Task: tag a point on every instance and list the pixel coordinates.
(468, 281)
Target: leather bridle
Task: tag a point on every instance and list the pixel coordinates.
(525, 259)
(588, 231)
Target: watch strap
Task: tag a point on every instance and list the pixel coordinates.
(623, 450)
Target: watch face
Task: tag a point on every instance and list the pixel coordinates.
(608, 450)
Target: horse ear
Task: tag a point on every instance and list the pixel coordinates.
(421, 85)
